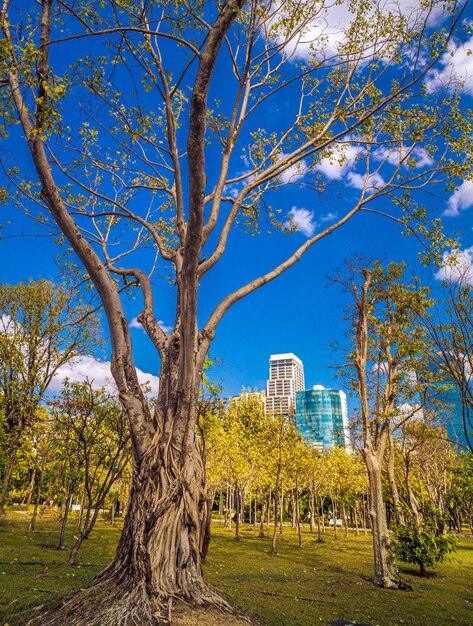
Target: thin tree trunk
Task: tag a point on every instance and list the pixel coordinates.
(88, 527)
(334, 515)
(229, 507)
(345, 520)
(276, 502)
(62, 534)
(293, 509)
(81, 512)
(268, 519)
(281, 508)
(220, 505)
(237, 516)
(262, 519)
(6, 479)
(392, 480)
(322, 513)
(364, 517)
(312, 511)
(31, 485)
(298, 514)
(320, 528)
(355, 517)
(36, 504)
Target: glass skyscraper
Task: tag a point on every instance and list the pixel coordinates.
(322, 417)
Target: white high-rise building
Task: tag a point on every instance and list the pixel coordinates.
(286, 376)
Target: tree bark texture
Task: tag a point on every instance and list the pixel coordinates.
(385, 571)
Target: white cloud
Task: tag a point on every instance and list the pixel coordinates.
(330, 217)
(295, 172)
(396, 154)
(6, 323)
(375, 181)
(457, 266)
(341, 160)
(462, 198)
(323, 26)
(97, 372)
(303, 219)
(455, 65)
(134, 323)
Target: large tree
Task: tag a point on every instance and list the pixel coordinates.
(151, 130)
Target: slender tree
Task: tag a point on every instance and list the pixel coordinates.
(450, 327)
(385, 357)
(91, 425)
(138, 136)
(42, 327)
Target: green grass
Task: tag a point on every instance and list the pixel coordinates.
(299, 587)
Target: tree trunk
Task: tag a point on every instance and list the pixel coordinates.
(237, 516)
(268, 521)
(81, 512)
(334, 515)
(322, 514)
(392, 480)
(298, 515)
(293, 509)
(281, 508)
(276, 503)
(261, 533)
(62, 534)
(229, 507)
(36, 504)
(6, 479)
(345, 520)
(29, 496)
(385, 570)
(220, 504)
(355, 518)
(312, 511)
(207, 524)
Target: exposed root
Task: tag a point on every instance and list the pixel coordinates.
(107, 604)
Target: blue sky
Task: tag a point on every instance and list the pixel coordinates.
(298, 312)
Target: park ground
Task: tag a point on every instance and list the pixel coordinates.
(319, 583)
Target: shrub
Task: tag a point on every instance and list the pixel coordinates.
(422, 546)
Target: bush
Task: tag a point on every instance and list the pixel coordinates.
(422, 546)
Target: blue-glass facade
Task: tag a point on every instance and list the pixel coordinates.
(321, 417)
(450, 413)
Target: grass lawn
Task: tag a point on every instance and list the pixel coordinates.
(316, 584)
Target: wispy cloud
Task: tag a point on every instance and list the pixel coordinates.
(358, 181)
(455, 66)
(417, 156)
(457, 266)
(134, 323)
(295, 172)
